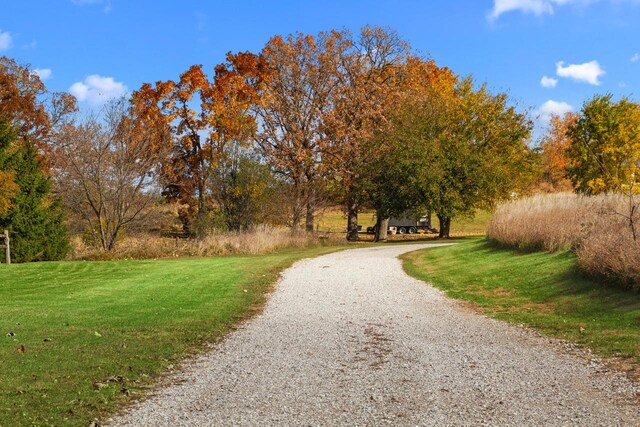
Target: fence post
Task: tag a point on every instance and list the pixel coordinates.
(7, 247)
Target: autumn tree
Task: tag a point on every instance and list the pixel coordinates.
(104, 169)
(367, 72)
(553, 151)
(27, 106)
(605, 146)
(293, 98)
(605, 153)
(204, 116)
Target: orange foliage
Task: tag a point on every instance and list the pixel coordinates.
(25, 105)
(554, 147)
(202, 115)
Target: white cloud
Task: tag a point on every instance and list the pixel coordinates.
(5, 40)
(635, 57)
(540, 7)
(548, 82)
(107, 3)
(553, 108)
(97, 89)
(537, 7)
(43, 73)
(589, 72)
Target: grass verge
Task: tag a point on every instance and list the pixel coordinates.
(541, 290)
(80, 339)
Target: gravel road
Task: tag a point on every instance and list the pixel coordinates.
(350, 339)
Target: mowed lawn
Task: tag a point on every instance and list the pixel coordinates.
(81, 338)
(538, 289)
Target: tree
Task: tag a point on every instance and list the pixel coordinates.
(203, 116)
(34, 217)
(605, 146)
(395, 174)
(26, 105)
(465, 147)
(483, 155)
(367, 73)
(248, 193)
(293, 97)
(553, 152)
(605, 152)
(400, 169)
(105, 169)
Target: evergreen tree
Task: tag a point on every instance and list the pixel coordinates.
(34, 219)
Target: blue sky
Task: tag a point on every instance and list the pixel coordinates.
(102, 48)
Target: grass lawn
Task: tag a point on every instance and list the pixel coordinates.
(541, 290)
(79, 339)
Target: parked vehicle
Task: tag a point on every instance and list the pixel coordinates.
(407, 226)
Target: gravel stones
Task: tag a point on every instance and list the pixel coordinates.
(350, 339)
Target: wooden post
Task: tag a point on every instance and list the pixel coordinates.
(7, 247)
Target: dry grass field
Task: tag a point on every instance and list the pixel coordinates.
(259, 241)
(596, 228)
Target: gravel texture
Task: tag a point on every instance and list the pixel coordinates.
(350, 339)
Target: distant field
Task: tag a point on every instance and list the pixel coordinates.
(79, 339)
(476, 226)
(334, 220)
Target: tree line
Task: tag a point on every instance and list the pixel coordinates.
(355, 119)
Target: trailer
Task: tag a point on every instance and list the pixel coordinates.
(406, 225)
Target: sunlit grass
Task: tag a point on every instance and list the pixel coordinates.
(541, 290)
(96, 334)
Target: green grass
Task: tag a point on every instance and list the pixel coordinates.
(475, 226)
(542, 290)
(97, 334)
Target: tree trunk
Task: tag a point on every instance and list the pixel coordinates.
(311, 210)
(445, 226)
(382, 226)
(352, 221)
(297, 219)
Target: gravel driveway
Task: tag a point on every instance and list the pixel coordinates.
(350, 339)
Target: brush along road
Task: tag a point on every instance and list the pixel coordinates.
(350, 339)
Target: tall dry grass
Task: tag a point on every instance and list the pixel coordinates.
(596, 228)
(260, 240)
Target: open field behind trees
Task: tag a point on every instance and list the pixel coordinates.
(597, 228)
(334, 220)
(538, 289)
(86, 337)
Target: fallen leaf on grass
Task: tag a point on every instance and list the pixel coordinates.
(21, 348)
(96, 333)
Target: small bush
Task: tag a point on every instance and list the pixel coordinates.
(594, 227)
